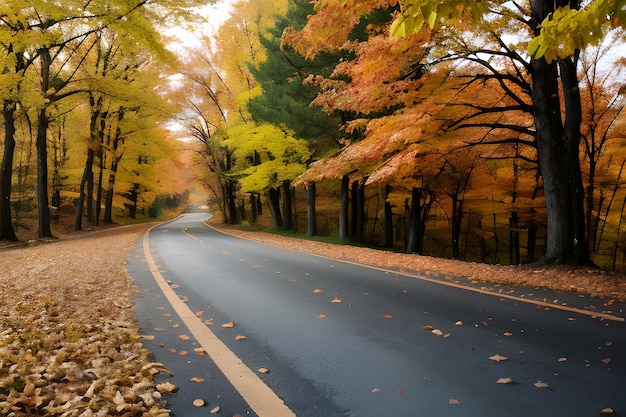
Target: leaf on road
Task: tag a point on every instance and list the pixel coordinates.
(183, 353)
(540, 384)
(399, 391)
(458, 323)
(242, 260)
(452, 401)
(200, 351)
(437, 332)
(147, 337)
(388, 316)
(196, 379)
(317, 291)
(291, 280)
(337, 300)
(174, 286)
(607, 410)
(508, 334)
(563, 359)
(609, 343)
(166, 387)
(199, 313)
(498, 358)
(322, 316)
(183, 337)
(240, 337)
(277, 273)
(208, 322)
(175, 325)
(376, 390)
(198, 402)
(215, 409)
(505, 381)
(229, 325)
(264, 370)
(225, 252)
(427, 327)
(606, 361)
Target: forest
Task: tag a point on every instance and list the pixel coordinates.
(489, 131)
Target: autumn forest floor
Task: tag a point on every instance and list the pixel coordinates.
(68, 339)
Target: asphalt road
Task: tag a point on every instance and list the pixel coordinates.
(344, 340)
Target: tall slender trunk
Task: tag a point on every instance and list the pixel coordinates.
(287, 206)
(6, 171)
(87, 176)
(343, 209)
(42, 176)
(311, 229)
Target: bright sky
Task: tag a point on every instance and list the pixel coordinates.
(215, 14)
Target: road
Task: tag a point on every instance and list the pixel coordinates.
(343, 340)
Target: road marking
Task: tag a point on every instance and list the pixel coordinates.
(253, 390)
(450, 284)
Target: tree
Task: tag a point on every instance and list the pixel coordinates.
(558, 31)
(267, 158)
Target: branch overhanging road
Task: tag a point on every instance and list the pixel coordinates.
(339, 339)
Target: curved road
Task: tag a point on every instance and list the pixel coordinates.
(344, 340)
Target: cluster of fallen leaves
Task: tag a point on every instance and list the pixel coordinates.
(69, 345)
(595, 282)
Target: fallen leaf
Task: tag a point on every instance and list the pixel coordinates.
(505, 381)
(388, 316)
(215, 409)
(241, 260)
(264, 371)
(445, 336)
(317, 291)
(375, 390)
(607, 410)
(498, 358)
(225, 252)
(458, 323)
(174, 286)
(166, 387)
(427, 327)
(175, 325)
(183, 337)
(200, 351)
(208, 322)
(277, 273)
(337, 300)
(452, 401)
(147, 337)
(437, 332)
(199, 313)
(563, 359)
(508, 334)
(540, 384)
(196, 379)
(198, 402)
(183, 353)
(229, 325)
(240, 337)
(609, 343)
(399, 390)
(606, 361)
(291, 280)
(322, 316)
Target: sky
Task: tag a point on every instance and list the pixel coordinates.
(186, 38)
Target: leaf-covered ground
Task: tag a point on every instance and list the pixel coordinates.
(69, 345)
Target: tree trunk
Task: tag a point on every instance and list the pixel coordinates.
(343, 209)
(80, 204)
(311, 226)
(6, 172)
(287, 206)
(457, 216)
(388, 219)
(557, 151)
(43, 212)
(415, 217)
(274, 203)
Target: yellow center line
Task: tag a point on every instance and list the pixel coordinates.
(253, 390)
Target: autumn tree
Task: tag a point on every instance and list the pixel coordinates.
(556, 33)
